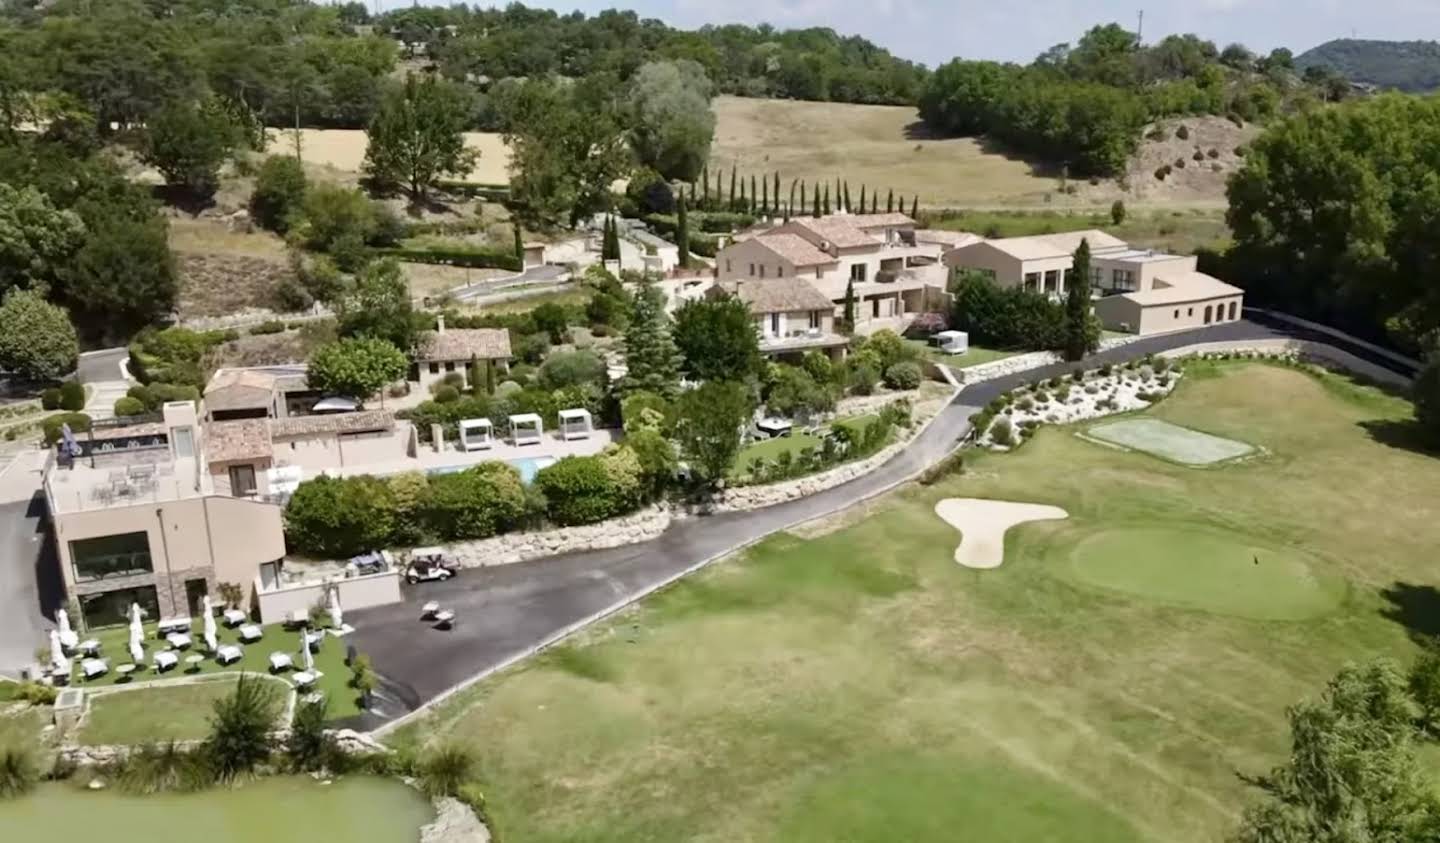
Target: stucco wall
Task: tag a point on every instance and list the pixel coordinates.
(985, 256)
(736, 262)
(1161, 318)
(355, 593)
(318, 453)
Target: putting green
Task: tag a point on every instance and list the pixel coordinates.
(1170, 441)
(910, 797)
(1205, 569)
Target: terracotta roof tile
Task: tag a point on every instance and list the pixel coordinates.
(464, 344)
(795, 249)
(778, 295)
(246, 439)
(363, 421)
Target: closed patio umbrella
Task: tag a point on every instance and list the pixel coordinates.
(307, 658)
(68, 638)
(58, 660)
(332, 604)
(211, 641)
(137, 635)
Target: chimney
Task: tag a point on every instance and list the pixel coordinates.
(440, 324)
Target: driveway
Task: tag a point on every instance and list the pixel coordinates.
(29, 579)
(104, 379)
(505, 611)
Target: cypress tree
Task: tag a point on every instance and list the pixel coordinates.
(682, 232)
(826, 206)
(519, 244)
(764, 196)
(915, 207)
(848, 314)
(744, 203)
(817, 201)
(1080, 336)
(803, 203)
(733, 176)
(862, 198)
(777, 187)
(790, 204)
(754, 195)
(848, 206)
(875, 202)
(705, 185)
(890, 202)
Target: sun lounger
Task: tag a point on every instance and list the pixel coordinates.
(164, 660)
(250, 632)
(228, 654)
(280, 661)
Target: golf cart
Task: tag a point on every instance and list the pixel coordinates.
(428, 564)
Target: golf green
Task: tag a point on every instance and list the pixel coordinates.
(1205, 569)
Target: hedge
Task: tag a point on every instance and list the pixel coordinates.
(473, 258)
(580, 490)
(79, 423)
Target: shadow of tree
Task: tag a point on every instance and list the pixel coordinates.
(1415, 607)
(1405, 434)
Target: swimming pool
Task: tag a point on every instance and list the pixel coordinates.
(527, 466)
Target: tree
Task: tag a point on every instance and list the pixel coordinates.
(652, 361)
(336, 517)
(847, 313)
(476, 503)
(310, 748)
(338, 220)
(682, 234)
(37, 239)
(519, 241)
(377, 305)
(239, 739)
(356, 368)
(717, 337)
(1423, 681)
(792, 391)
(670, 118)
(708, 421)
(1081, 333)
(1117, 212)
(123, 278)
(1353, 774)
(37, 340)
(417, 136)
(187, 142)
(567, 149)
(1426, 394)
(279, 193)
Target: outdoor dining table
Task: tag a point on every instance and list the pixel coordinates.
(194, 661)
(125, 670)
(90, 646)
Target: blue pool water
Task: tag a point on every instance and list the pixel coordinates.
(527, 466)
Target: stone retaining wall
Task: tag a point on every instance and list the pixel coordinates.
(1025, 362)
(1325, 355)
(510, 548)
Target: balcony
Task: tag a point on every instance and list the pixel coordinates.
(801, 340)
(98, 484)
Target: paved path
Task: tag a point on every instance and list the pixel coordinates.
(533, 275)
(506, 610)
(27, 562)
(104, 379)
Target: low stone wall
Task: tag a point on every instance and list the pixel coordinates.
(510, 548)
(1025, 362)
(454, 822)
(1320, 353)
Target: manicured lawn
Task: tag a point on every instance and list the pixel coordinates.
(177, 713)
(771, 449)
(975, 356)
(330, 661)
(858, 685)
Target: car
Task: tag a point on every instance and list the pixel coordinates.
(428, 564)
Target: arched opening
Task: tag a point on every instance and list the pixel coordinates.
(1233, 308)
(1208, 312)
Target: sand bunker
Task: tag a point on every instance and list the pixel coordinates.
(982, 525)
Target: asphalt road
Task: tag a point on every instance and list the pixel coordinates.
(27, 571)
(102, 365)
(506, 610)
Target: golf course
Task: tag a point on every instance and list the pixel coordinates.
(1107, 683)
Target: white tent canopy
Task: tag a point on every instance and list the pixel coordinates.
(58, 660)
(576, 424)
(477, 435)
(533, 436)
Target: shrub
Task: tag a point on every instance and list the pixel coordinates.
(159, 768)
(339, 517)
(1078, 376)
(272, 326)
(79, 423)
(279, 192)
(952, 464)
(928, 323)
(1179, 163)
(479, 502)
(643, 410)
(1183, 133)
(1107, 370)
(1025, 404)
(72, 396)
(862, 379)
(310, 748)
(446, 394)
(240, 727)
(127, 406)
(445, 771)
(904, 375)
(18, 772)
(572, 368)
(532, 348)
(578, 490)
(1002, 432)
(50, 398)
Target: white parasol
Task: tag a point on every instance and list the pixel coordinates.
(332, 603)
(210, 640)
(137, 635)
(306, 656)
(68, 638)
(58, 660)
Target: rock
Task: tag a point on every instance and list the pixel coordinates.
(454, 823)
(96, 784)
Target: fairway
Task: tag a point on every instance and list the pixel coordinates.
(858, 685)
(1169, 441)
(1205, 569)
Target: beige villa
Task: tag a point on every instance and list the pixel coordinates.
(1135, 290)
(895, 274)
(791, 316)
(446, 351)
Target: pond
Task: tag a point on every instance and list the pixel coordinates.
(277, 810)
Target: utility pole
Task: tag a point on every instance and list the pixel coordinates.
(1140, 29)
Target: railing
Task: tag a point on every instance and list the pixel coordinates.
(115, 565)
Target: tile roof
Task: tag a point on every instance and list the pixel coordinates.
(795, 249)
(778, 295)
(246, 439)
(1185, 287)
(880, 220)
(838, 230)
(464, 344)
(948, 239)
(363, 421)
(1042, 246)
(239, 389)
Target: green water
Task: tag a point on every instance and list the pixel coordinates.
(278, 810)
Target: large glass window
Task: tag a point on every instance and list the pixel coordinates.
(857, 272)
(111, 556)
(1032, 281)
(1052, 281)
(112, 608)
(1123, 280)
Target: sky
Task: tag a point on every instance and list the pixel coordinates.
(935, 31)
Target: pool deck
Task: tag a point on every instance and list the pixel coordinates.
(452, 457)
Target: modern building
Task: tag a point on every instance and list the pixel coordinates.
(791, 316)
(1135, 290)
(445, 351)
(893, 273)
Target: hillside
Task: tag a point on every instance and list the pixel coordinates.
(1412, 66)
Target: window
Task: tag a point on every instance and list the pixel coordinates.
(1122, 280)
(1097, 276)
(1189, 311)
(728, 268)
(1052, 281)
(857, 272)
(774, 324)
(762, 270)
(1032, 282)
(434, 368)
(111, 556)
(1177, 313)
(184, 443)
(1208, 311)
(449, 365)
(242, 480)
(815, 320)
(112, 608)
(752, 270)
(780, 271)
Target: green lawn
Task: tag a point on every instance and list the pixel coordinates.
(858, 685)
(330, 661)
(178, 713)
(975, 356)
(771, 449)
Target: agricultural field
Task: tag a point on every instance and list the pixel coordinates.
(1179, 232)
(1105, 684)
(344, 150)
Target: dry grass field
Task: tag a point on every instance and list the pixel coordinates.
(344, 149)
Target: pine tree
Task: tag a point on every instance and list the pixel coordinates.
(862, 198)
(651, 357)
(826, 206)
(1081, 336)
(682, 232)
(890, 202)
(847, 315)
